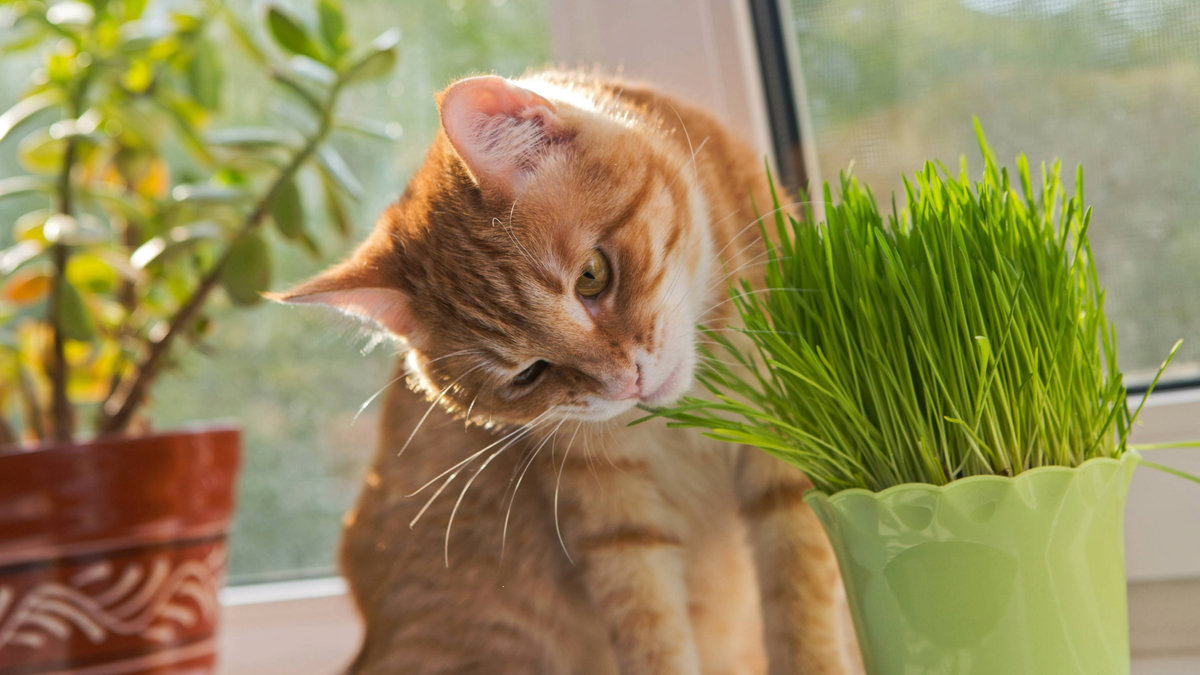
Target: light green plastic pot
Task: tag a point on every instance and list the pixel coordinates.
(988, 575)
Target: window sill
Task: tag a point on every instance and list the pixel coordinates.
(311, 627)
(286, 628)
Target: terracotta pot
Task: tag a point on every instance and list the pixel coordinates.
(112, 553)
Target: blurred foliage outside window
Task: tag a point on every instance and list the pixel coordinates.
(1112, 85)
(292, 380)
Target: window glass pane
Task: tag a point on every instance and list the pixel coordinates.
(1112, 85)
(295, 378)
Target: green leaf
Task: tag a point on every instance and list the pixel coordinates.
(129, 204)
(178, 239)
(379, 59)
(41, 153)
(70, 13)
(23, 185)
(81, 231)
(208, 194)
(388, 131)
(300, 91)
(242, 36)
(336, 168)
(247, 272)
(185, 113)
(335, 209)
(134, 9)
(139, 76)
(205, 75)
(290, 35)
(333, 26)
(25, 109)
(30, 226)
(288, 211)
(312, 70)
(18, 254)
(31, 35)
(72, 317)
(249, 137)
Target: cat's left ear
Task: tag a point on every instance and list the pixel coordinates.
(355, 289)
(501, 130)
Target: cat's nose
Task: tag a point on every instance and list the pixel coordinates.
(627, 386)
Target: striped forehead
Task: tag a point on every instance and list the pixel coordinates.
(520, 293)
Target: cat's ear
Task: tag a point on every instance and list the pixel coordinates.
(501, 130)
(353, 289)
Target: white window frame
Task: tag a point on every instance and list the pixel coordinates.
(705, 50)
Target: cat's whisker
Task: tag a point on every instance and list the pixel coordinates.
(429, 410)
(461, 352)
(717, 269)
(504, 533)
(734, 239)
(490, 388)
(461, 495)
(751, 224)
(715, 360)
(688, 138)
(374, 396)
(753, 262)
(528, 426)
(454, 475)
(587, 457)
(609, 427)
(734, 329)
(671, 289)
(735, 256)
(753, 292)
(413, 523)
(558, 486)
(723, 267)
(514, 241)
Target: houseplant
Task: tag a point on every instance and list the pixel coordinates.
(112, 537)
(948, 380)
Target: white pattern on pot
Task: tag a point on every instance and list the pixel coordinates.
(151, 610)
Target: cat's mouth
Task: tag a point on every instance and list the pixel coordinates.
(671, 387)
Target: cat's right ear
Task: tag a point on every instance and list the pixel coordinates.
(353, 289)
(501, 130)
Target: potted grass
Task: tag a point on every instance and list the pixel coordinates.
(948, 380)
(112, 534)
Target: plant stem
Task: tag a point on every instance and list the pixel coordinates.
(7, 435)
(33, 413)
(117, 421)
(64, 418)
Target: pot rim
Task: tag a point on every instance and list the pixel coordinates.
(217, 426)
(1130, 455)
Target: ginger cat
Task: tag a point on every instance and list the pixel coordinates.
(546, 269)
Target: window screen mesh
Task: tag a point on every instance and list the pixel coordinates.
(1114, 85)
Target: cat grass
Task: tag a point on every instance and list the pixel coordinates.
(962, 335)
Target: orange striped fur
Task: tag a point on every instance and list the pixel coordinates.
(582, 546)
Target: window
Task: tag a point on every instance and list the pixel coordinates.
(1112, 85)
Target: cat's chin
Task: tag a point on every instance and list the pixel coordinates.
(601, 410)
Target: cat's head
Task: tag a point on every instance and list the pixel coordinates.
(550, 255)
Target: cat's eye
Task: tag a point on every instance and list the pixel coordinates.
(530, 374)
(595, 276)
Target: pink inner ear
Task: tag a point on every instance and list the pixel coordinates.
(384, 306)
(498, 128)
